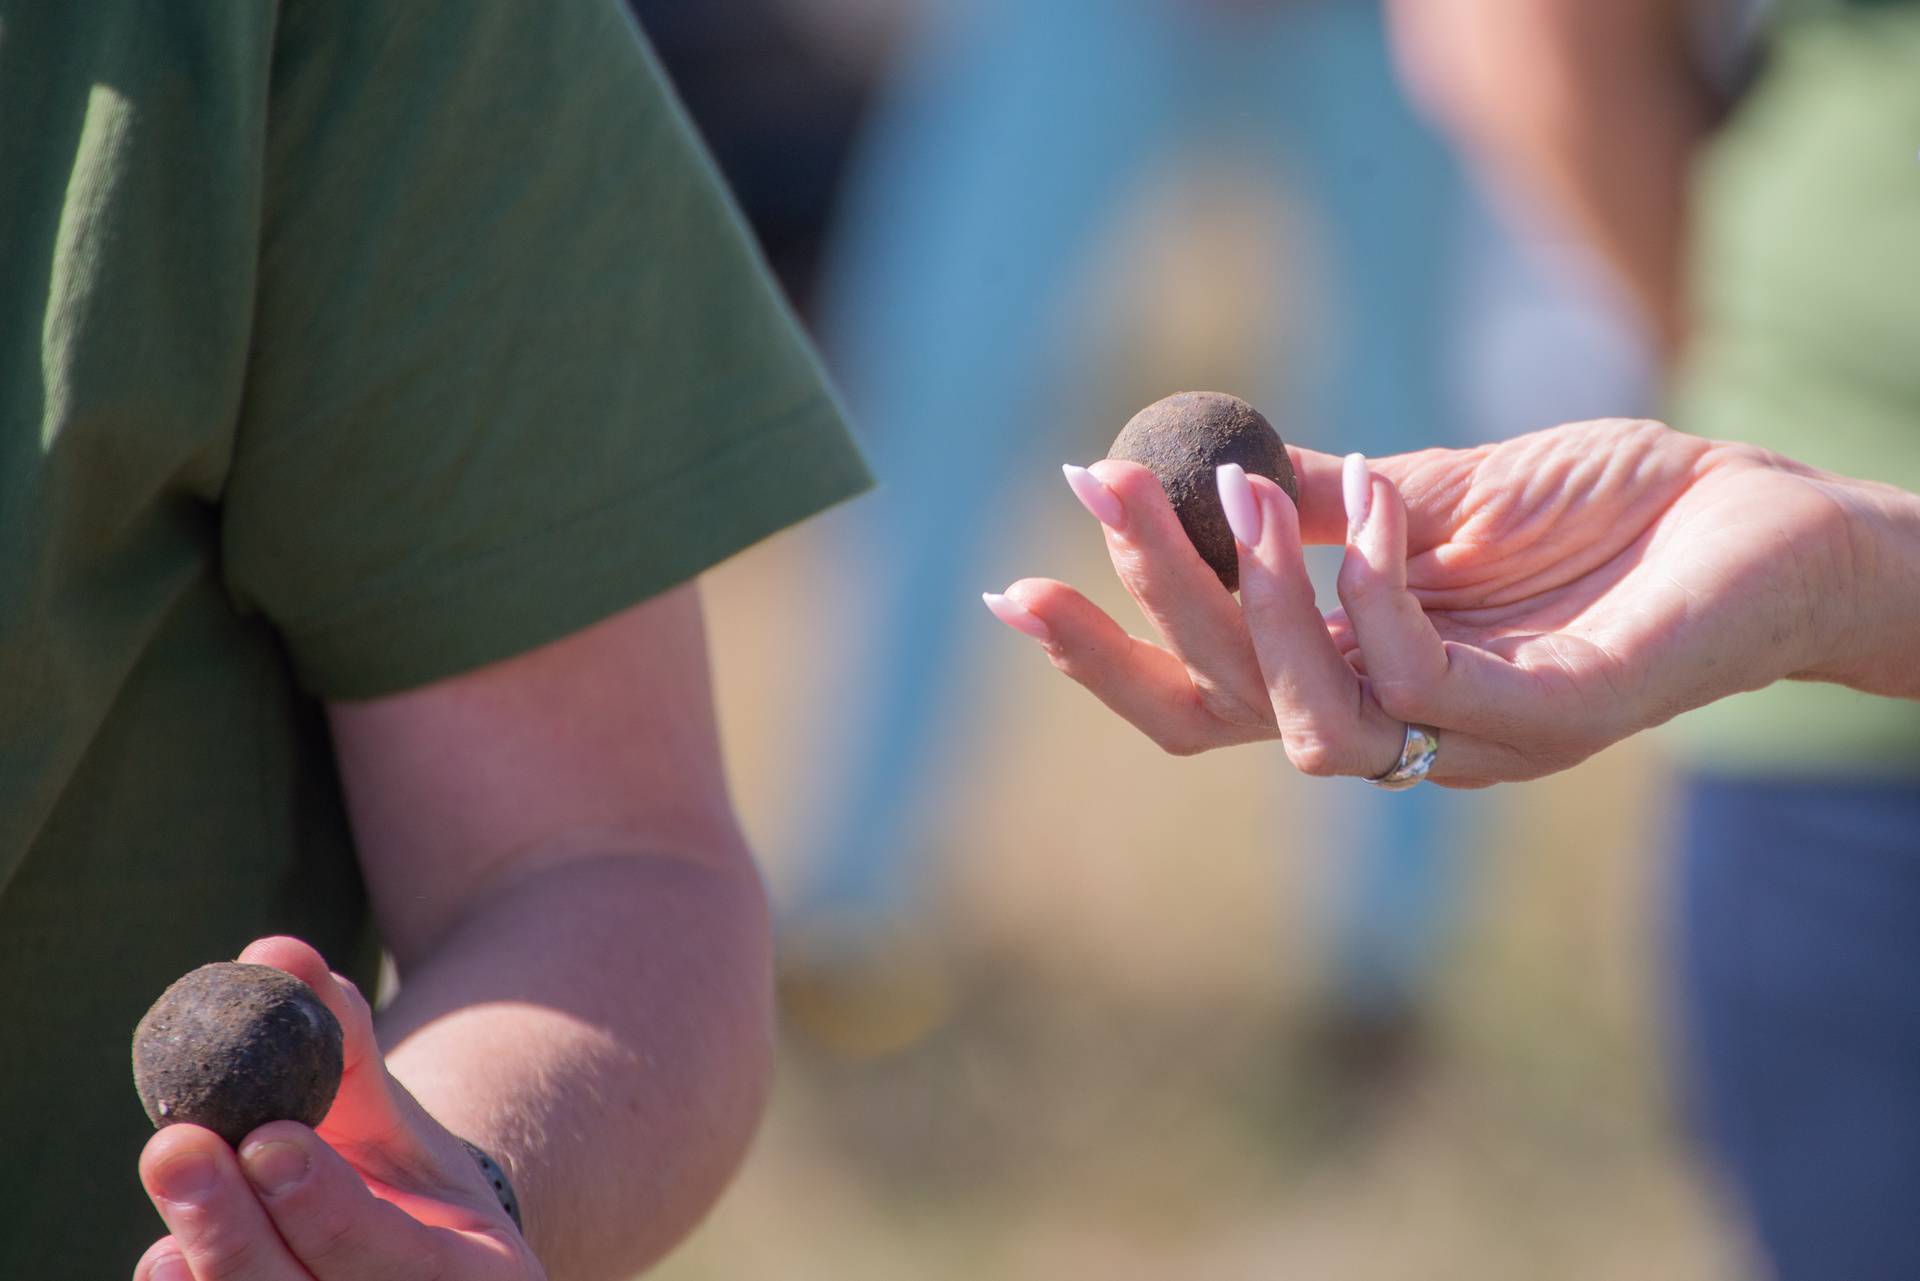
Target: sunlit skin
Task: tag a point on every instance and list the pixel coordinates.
(585, 990)
(1535, 600)
(387, 1191)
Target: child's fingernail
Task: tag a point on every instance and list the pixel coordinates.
(1094, 496)
(186, 1179)
(170, 1267)
(274, 1168)
(1356, 484)
(1237, 500)
(1017, 616)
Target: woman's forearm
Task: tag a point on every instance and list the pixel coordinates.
(603, 1028)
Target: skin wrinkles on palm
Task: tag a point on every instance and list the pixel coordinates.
(1538, 550)
(1537, 514)
(1507, 571)
(1515, 566)
(1665, 534)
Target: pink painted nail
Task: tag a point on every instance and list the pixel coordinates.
(1018, 616)
(1356, 485)
(1237, 500)
(1094, 496)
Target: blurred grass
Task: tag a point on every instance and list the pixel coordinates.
(1100, 1053)
(1107, 1064)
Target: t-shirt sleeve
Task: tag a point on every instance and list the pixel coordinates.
(516, 364)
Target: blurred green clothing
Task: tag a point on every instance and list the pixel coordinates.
(344, 346)
(1806, 279)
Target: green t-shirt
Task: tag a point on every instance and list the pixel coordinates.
(1807, 284)
(344, 346)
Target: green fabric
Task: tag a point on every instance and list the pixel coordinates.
(344, 346)
(1807, 281)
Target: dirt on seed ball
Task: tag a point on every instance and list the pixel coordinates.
(1184, 440)
(233, 1046)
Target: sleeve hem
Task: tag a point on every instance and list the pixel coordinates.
(445, 620)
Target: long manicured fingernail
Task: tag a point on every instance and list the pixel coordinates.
(1237, 500)
(185, 1179)
(169, 1267)
(1095, 496)
(274, 1168)
(1356, 485)
(1018, 616)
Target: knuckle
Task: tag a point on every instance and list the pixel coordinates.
(326, 1238)
(1402, 697)
(1356, 582)
(1568, 755)
(1543, 760)
(1066, 660)
(358, 1005)
(1313, 755)
(1739, 451)
(1233, 710)
(1132, 482)
(1176, 743)
(226, 1255)
(1624, 429)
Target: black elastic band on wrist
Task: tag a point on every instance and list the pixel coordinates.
(496, 1176)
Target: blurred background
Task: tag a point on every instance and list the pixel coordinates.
(1055, 1004)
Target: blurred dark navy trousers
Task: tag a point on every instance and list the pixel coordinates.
(1799, 1002)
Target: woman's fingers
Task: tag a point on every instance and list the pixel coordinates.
(1196, 616)
(1323, 517)
(1142, 683)
(1150, 689)
(1434, 483)
(1328, 723)
(1413, 672)
(1402, 651)
(1332, 720)
(1339, 690)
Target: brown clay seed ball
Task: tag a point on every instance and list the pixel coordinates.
(1183, 440)
(234, 1046)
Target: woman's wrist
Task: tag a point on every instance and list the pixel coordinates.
(1870, 616)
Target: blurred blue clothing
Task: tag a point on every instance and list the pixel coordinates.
(1015, 135)
(1799, 949)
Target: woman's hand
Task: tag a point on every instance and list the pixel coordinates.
(1534, 601)
(379, 1191)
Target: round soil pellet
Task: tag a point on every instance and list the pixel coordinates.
(1184, 440)
(233, 1046)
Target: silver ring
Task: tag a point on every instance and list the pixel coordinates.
(1416, 758)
